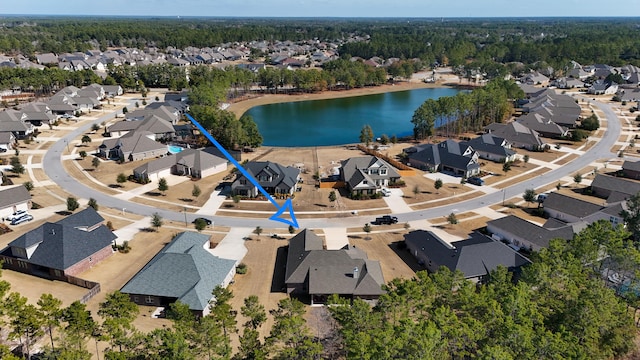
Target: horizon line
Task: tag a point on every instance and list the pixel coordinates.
(306, 17)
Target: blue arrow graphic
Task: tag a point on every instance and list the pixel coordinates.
(286, 207)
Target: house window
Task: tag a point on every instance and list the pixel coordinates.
(136, 299)
(148, 299)
(613, 220)
(364, 182)
(243, 182)
(383, 171)
(8, 261)
(22, 264)
(90, 259)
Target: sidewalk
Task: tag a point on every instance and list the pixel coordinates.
(232, 246)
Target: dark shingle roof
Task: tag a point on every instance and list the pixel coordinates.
(65, 243)
(331, 271)
(570, 205)
(631, 165)
(533, 233)
(616, 184)
(183, 270)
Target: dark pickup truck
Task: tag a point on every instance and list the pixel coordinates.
(385, 220)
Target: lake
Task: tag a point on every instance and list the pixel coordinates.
(339, 121)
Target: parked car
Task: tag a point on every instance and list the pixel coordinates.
(22, 219)
(385, 192)
(67, 116)
(16, 215)
(207, 221)
(386, 220)
(3, 150)
(475, 181)
(542, 197)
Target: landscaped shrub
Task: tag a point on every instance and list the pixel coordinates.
(241, 268)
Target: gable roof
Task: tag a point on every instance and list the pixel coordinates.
(616, 184)
(489, 143)
(63, 244)
(631, 165)
(183, 270)
(474, 257)
(331, 271)
(10, 196)
(448, 152)
(570, 205)
(515, 133)
(285, 175)
(533, 233)
(353, 170)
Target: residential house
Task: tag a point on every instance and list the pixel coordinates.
(525, 234)
(112, 90)
(367, 174)
(535, 78)
(517, 134)
(184, 270)
(61, 249)
(173, 106)
(491, 147)
(13, 121)
(37, 113)
(448, 156)
(614, 189)
(12, 199)
(601, 87)
(7, 141)
(188, 162)
(168, 113)
(630, 169)
(160, 128)
(312, 270)
(543, 126)
(572, 210)
(133, 146)
(475, 257)
(273, 177)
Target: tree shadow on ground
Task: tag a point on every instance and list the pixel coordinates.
(153, 193)
(63, 212)
(186, 200)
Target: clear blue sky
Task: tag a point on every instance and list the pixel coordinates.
(326, 8)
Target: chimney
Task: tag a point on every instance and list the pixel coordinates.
(355, 272)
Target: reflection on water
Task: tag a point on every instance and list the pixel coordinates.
(339, 121)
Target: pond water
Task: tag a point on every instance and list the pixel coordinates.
(339, 121)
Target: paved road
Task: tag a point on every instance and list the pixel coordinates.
(53, 168)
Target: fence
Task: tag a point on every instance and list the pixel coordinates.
(94, 287)
(404, 169)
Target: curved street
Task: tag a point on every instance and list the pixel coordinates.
(52, 166)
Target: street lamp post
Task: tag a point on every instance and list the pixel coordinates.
(503, 195)
(185, 217)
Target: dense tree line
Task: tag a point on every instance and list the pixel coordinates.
(466, 111)
(560, 309)
(446, 41)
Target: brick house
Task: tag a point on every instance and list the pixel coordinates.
(62, 249)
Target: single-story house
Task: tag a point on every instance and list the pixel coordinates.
(475, 257)
(614, 189)
(517, 134)
(188, 162)
(184, 270)
(61, 249)
(312, 270)
(273, 177)
(492, 148)
(13, 198)
(366, 174)
(133, 146)
(448, 156)
(569, 209)
(112, 90)
(542, 125)
(160, 128)
(630, 169)
(7, 141)
(525, 234)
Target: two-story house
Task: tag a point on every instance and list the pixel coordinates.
(273, 177)
(367, 174)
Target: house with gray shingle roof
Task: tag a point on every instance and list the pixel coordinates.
(491, 147)
(448, 156)
(367, 174)
(517, 134)
(132, 146)
(189, 162)
(14, 122)
(184, 270)
(614, 189)
(161, 128)
(569, 209)
(528, 235)
(7, 141)
(61, 249)
(475, 257)
(631, 169)
(542, 125)
(13, 198)
(312, 270)
(273, 177)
